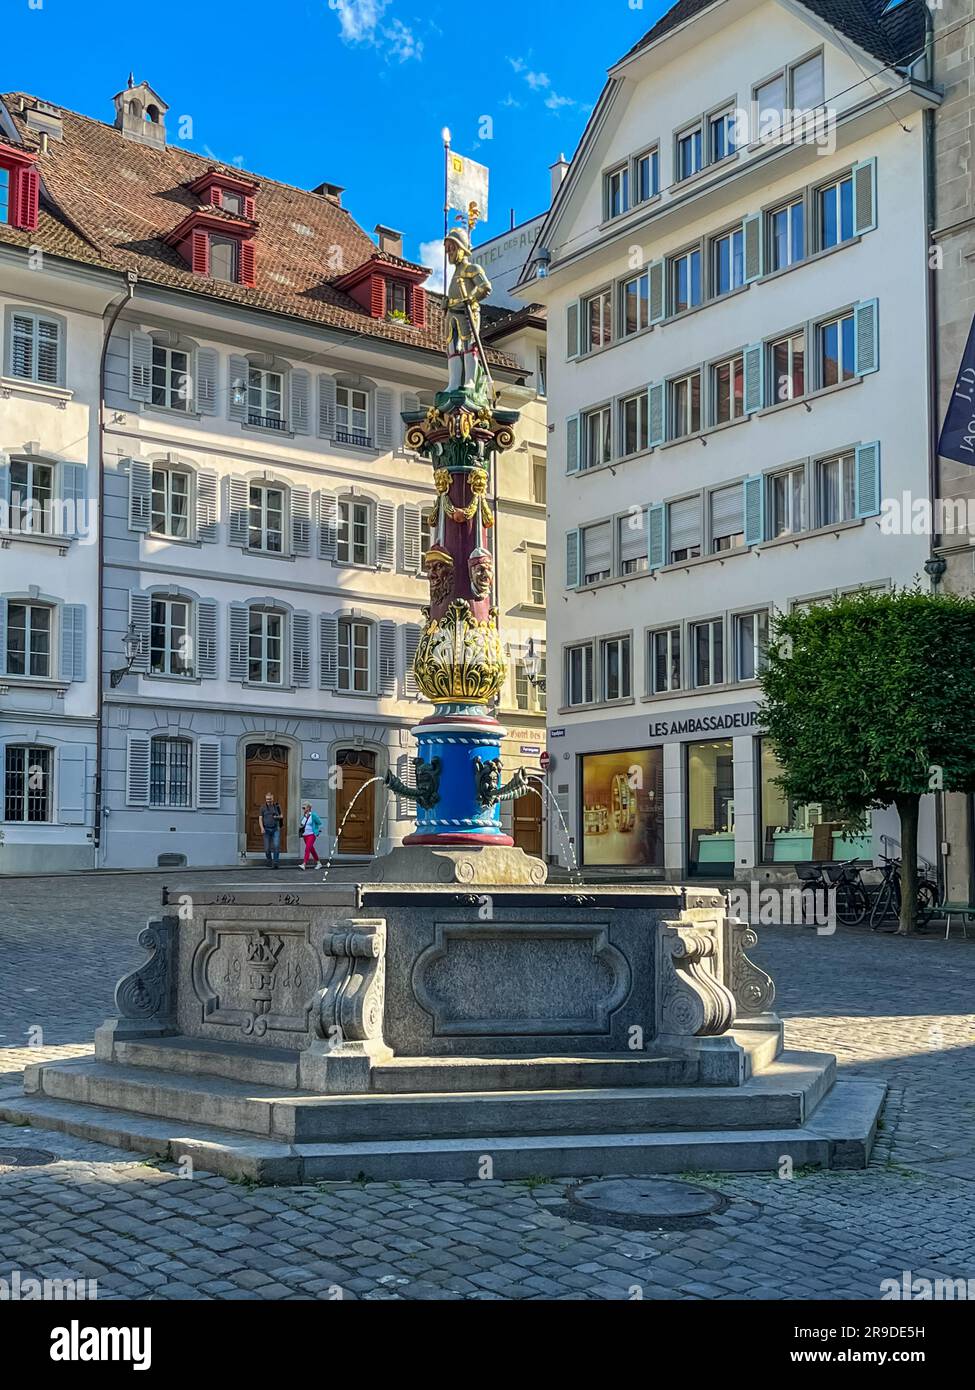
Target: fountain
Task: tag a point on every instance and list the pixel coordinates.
(454, 1015)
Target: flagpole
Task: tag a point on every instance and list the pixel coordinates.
(445, 134)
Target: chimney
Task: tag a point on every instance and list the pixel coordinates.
(390, 241)
(332, 191)
(558, 171)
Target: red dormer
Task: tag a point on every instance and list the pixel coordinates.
(388, 287)
(217, 244)
(19, 187)
(220, 189)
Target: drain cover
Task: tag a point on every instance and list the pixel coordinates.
(24, 1158)
(645, 1202)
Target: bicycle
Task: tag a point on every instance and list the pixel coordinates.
(887, 903)
(852, 900)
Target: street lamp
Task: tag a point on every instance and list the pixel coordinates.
(131, 644)
(533, 664)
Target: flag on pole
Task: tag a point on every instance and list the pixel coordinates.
(467, 182)
(958, 432)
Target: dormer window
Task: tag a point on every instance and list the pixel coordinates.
(397, 299)
(224, 258)
(19, 188)
(4, 195)
(232, 202)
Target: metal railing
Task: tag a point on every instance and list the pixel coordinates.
(364, 441)
(267, 422)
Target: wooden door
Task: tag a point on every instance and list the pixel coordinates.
(266, 771)
(358, 835)
(526, 822)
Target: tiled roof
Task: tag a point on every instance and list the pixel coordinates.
(111, 202)
(893, 38)
(499, 322)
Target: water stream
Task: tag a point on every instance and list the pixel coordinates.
(534, 786)
(348, 811)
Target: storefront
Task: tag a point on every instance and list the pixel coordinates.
(792, 833)
(710, 803)
(622, 799)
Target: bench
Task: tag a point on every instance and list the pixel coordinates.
(964, 911)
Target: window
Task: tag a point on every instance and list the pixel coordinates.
(787, 502)
(685, 281)
(634, 434)
(542, 374)
(785, 236)
(539, 479)
(538, 583)
(727, 518)
(599, 320)
(265, 650)
(170, 503)
(707, 643)
(618, 192)
(614, 668)
(635, 304)
(225, 258)
(352, 540)
(710, 808)
(266, 530)
(769, 102)
(35, 348)
(751, 644)
(598, 436)
(836, 489)
(690, 153)
(836, 351)
(354, 651)
(684, 406)
(787, 367)
(170, 772)
(397, 298)
(523, 687)
(684, 530)
(721, 136)
(728, 390)
(31, 496)
(170, 642)
(578, 675)
(265, 394)
(28, 639)
(647, 176)
(835, 204)
(727, 262)
(597, 552)
(631, 537)
(171, 385)
(4, 195)
(27, 783)
(232, 202)
(665, 660)
(352, 415)
(806, 80)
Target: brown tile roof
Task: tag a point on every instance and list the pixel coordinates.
(111, 202)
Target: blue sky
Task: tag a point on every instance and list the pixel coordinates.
(355, 92)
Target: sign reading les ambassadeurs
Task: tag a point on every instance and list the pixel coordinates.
(687, 726)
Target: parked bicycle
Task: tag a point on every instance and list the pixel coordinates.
(888, 898)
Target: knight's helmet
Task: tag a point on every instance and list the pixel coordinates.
(461, 236)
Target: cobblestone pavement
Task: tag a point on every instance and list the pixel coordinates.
(890, 1009)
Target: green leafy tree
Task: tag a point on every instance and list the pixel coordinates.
(870, 702)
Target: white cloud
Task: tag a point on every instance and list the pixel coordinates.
(361, 22)
(555, 103)
(540, 83)
(431, 255)
(403, 44)
(538, 80)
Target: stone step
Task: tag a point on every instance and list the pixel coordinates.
(425, 1074)
(264, 1066)
(840, 1134)
(784, 1096)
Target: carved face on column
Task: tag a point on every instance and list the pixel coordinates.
(481, 568)
(440, 570)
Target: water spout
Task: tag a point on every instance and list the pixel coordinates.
(348, 811)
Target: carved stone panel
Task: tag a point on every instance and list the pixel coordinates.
(255, 978)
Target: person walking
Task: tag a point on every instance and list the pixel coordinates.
(270, 818)
(310, 827)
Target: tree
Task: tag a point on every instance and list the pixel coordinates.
(870, 702)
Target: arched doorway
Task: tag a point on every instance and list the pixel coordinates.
(265, 770)
(356, 814)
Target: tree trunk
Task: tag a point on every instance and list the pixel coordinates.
(908, 808)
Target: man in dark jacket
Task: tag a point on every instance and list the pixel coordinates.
(270, 817)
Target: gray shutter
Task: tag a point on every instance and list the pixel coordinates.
(74, 488)
(412, 632)
(300, 402)
(572, 330)
(3, 636)
(328, 525)
(657, 535)
(754, 370)
(301, 649)
(238, 494)
(5, 490)
(137, 770)
(387, 658)
(140, 495)
(573, 545)
(207, 370)
(300, 521)
(866, 337)
(140, 366)
(868, 479)
(754, 510)
(658, 303)
(206, 639)
(208, 774)
(633, 536)
(326, 405)
(411, 525)
(727, 511)
(655, 414)
(237, 394)
(384, 420)
(72, 642)
(572, 460)
(752, 234)
(72, 783)
(404, 806)
(206, 506)
(684, 523)
(328, 675)
(237, 631)
(139, 613)
(864, 197)
(385, 535)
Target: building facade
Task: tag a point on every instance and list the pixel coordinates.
(734, 273)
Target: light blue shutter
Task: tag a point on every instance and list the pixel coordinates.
(754, 369)
(206, 639)
(237, 394)
(864, 196)
(384, 420)
(207, 370)
(412, 632)
(72, 783)
(3, 636)
(752, 235)
(326, 405)
(328, 674)
(74, 500)
(866, 337)
(656, 413)
(385, 535)
(572, 459)
(301, 649)
(237, 631)
(140, 366)
(573, 545)
(206, 507)
(208, 774)
(868, 479)
(300, 521)
(328, 525)
(72, 642)
(656, 535)
(137, 770)
(411, 526)
(238, 494)
(139, 612)
(657, 285)
(140, 495)
(754, 510)
(300, 421)
(573, 317)
(387, 658)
